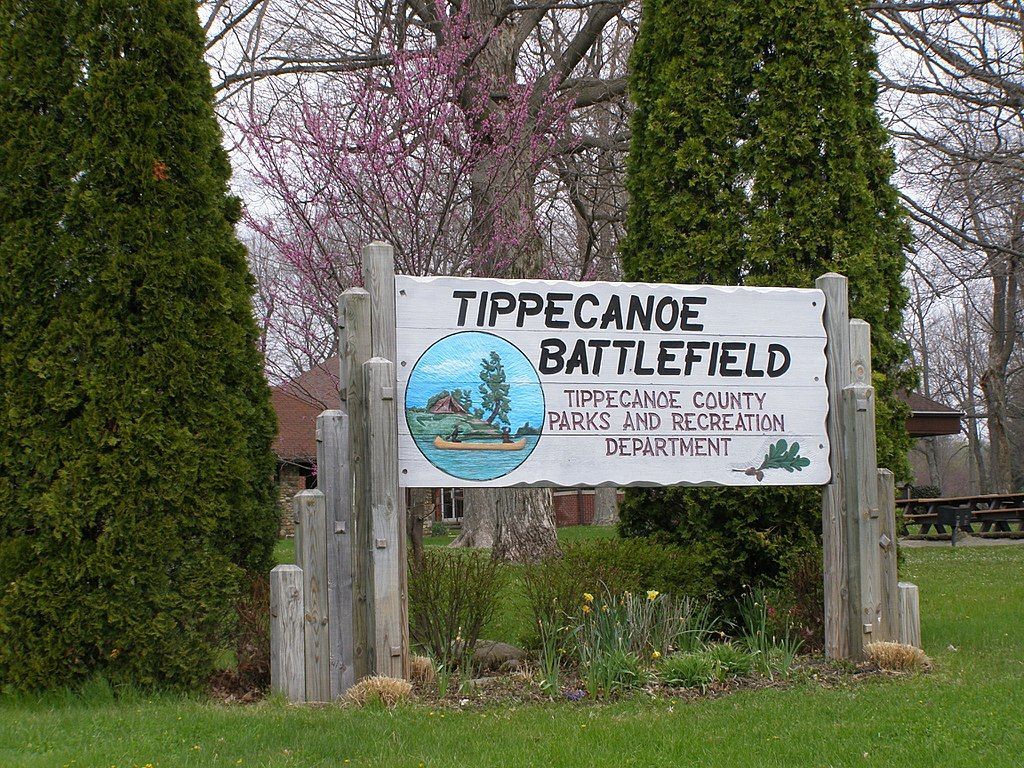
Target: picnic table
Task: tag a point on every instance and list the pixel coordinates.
(994, 512)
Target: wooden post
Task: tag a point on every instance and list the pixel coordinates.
(833, 500)
(297, 527)
(910, 615)
(860, 476)
(889, 629)
(354, 330)
(287, 652)
(311, 509)
(379, 278)
(391, 620)
(334, 480)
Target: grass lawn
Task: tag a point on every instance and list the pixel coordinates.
(284, 551)
(966, 713)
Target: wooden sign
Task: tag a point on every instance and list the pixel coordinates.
(532, 382)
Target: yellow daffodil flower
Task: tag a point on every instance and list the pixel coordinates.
(656, 655)
(652, 594)
(588, 597)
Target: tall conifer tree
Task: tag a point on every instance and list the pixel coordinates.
(136, 426)
(758, 159)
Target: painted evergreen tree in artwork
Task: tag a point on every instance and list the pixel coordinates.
(758, 159)
(494, 389)
(135, 426)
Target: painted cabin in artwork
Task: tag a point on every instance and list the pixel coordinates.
(447, 404)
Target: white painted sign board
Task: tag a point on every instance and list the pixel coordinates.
(533, 383)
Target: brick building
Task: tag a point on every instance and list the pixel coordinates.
(297, 403)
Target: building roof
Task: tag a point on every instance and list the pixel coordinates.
(920, 404)
(929, 418)
(297, 403)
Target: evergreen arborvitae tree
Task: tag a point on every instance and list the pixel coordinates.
(135, 425)
(758, 159)
(36, 74)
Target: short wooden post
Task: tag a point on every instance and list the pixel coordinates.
(910, 615)
(354, 337)
(334, 480)
(311, 509)
(889, 628)
(860, 476)
(391, 613)
(833, 501)
(287, 650)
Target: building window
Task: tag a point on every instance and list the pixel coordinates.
(451, 505)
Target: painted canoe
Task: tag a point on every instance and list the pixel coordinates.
(446, 445)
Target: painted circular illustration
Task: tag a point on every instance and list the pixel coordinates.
(474, 406)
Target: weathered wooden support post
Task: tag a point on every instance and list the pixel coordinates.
(860, 476)
(297, 527)
(379, 279)
(311, 509)
(354, 342)
(287, 650)
(910, 615)
(391, 644)
(833, 501)
(889, 629)
(333, 479)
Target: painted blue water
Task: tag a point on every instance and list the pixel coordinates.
(454, 362)
(475, 465)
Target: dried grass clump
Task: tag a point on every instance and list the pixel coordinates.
(897, 656)
(386, 690)
(421, 670)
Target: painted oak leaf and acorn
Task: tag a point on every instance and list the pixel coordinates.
(781, 455)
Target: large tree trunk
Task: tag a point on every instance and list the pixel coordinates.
(478, 518)
(501, 191)
(930, 448)
(421, 509)
(526, 526)
(1002, 339)
(979, 471)
(606, 506)
(993, 387)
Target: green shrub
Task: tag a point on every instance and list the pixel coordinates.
(452, 595)
(925, 492)
(773, 649)
(437, 528)
(555, 587)
(731, 660)
(252, 637)
(731, 537)
(554, 592)
(613, 670)
(689, 670)
(797, 603)
(639, 564)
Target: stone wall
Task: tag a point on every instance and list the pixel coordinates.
(290, 480)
